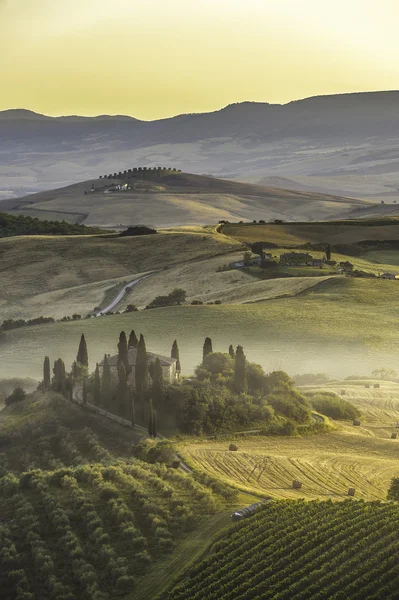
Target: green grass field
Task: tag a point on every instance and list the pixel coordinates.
(334, 327)
(332, 232)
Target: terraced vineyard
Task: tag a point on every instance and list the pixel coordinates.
(302, 550)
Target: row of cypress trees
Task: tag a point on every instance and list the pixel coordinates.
(149, 390)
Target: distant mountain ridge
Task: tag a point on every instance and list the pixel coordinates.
(341, 144)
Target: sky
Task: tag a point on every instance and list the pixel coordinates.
(156, 58)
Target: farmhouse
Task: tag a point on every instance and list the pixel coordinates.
(296, 259)
(388, 276)
(168, 364)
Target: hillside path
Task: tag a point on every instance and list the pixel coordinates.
(119, 297)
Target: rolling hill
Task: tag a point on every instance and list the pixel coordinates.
(178, 199)
(81, 517)
(342, 145)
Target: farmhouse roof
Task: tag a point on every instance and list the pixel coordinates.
(165, 361)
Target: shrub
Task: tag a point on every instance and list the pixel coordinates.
(333, 406)
(18, 395)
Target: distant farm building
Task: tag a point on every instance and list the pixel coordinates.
(388, 276)
(168, 364)
(297, 259)
(317, 262)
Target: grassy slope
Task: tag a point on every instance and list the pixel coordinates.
(344, 232)
(48, 274)
(97, 454)
(362, 457)
(184, 199)
(329, 328)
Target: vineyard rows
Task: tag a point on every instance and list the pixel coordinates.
(90, 532)
(303, 550)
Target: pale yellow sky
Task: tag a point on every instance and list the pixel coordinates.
(157, 58)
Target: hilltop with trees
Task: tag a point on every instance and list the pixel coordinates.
(227, 392)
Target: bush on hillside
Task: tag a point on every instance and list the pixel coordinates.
(175, 298)
(18, 395)
(137, 230)
(311, 378)
(333, 406)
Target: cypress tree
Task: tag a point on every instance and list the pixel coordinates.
(150, 421)
(175, 354)
(84, 391)
(123, 390)
(75, 370)
(141, 370)
(82, 356)
(158, 386)
(207, 348)
(133, 341)
(46, 373)
(97, 387)
(59, 379)
(123, 356)
(154, 424)
(106, 389)
(132, 411)
(240, 371)
(231, 351)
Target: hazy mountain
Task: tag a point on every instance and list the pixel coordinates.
(345, 144)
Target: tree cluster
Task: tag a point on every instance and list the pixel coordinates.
(175, 298)
(11, 225)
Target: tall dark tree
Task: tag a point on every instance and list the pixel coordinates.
(132, 410)
(82, 356)
(106, 385)
(158, 385)
(97, 387)
(123, 356)
(59, 379)
(141, 370)
(46, 373)
(133, 341)
(231, 351)
(207, 348)
(75, 370)
(240, 371)
(175, 354)
(123, 391)
(150, 420)
(154, 424)
(84, 391)
(328, 252)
